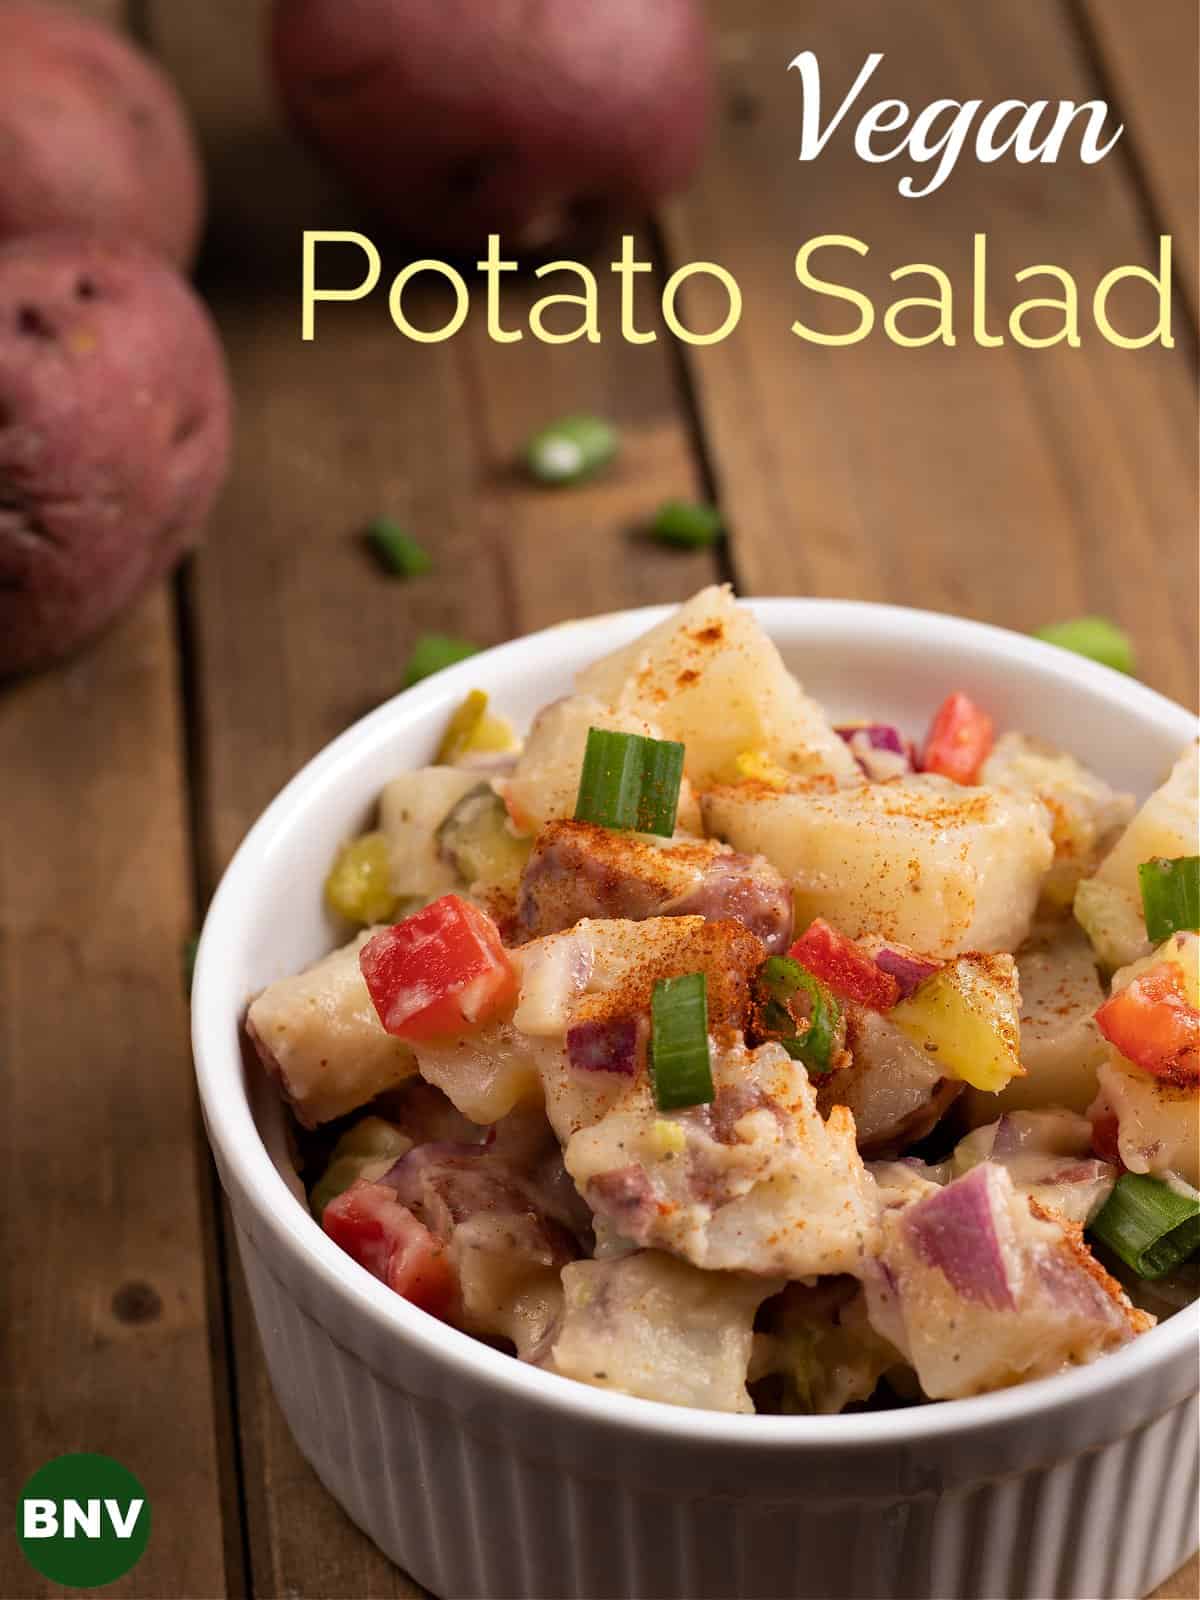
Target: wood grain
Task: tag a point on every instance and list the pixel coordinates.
(104, 1250)
(297, 633)
(104, 1335)
(1149, 53)
(1014, 485)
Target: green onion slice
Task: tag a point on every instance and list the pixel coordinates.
(1094, 637)
(188, 961)
(571, 449)
(398, 552)
(688, 526)
(630, 782)
(432, 652)
(679, 1061)
(800, 1013)
(1151, 1226)
(1170, 896)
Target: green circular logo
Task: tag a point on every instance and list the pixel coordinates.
(83, 1521)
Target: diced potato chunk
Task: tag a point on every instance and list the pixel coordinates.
(652, 1326)
(319, 1035)
(484, 1074)
(544, 785)
(1084, 810)
(921, 860)
(1061, 1046)
(710, 678)
(1158, 1123)
(763, 1183)
(411, 810)
(1109, 905)
(966, 1017)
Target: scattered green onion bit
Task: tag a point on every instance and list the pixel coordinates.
(1151, 1226)
(398, 552)
(571, 449)
(629, 781)
(679, 1062)
(188, 955)
(432, 652)
(687, 526)
(1170, 896)
(815, 1042)
(1094, 637)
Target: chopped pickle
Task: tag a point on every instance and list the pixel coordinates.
(667, 1138)
(478, 840)
(756, 766)
(472, 731)
(366, 1150)
(359, 887)
(966, 1023)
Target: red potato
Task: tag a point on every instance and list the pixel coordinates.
(93, 136)
(532, 119)
(115, 417)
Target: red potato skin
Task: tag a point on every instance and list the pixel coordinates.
(93, 136)
(533, 119)
(115, 426)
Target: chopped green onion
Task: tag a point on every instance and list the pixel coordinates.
(690, 527)
(1170, 896)
(815, 1039)
(571, 449)
(432, 652)
(679, 1061)
(1151, 1226)
(631, 782)
(1094, 637)
(398, 552)
(190, 945)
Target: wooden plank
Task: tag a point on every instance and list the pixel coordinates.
(297, 633)
(104, 1335)
(103, 1245)
(1149, 53)
(1013, 485)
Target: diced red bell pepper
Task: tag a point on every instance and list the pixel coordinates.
(441, 971)
(844, 967)
(1151, 1023)
(369, 1223)
(959, 740)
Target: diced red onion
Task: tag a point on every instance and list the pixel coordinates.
(435, 1153)
(878, 735)
(879, 750)
(1007, 1137)
(955, 1230)
(908, 971)
(608, 1046)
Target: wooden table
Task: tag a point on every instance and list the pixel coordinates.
(1016, 487)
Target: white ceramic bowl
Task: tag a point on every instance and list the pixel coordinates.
(484, 1477)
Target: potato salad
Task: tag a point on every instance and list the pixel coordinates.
(697, 1048)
